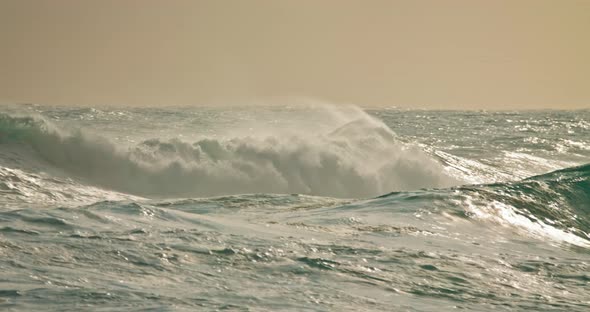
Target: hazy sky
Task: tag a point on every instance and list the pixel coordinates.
(422, 54)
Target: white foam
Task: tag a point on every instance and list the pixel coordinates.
(349, 155)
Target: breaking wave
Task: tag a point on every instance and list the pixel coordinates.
(358, 157)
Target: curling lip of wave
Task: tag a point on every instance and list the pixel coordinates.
(358, 159)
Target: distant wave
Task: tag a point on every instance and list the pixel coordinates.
(359, 158)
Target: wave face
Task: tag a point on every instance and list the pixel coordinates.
(359, 158)
(553, 206)
(560, 199)
(293, 208)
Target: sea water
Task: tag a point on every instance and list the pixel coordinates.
(293, 208)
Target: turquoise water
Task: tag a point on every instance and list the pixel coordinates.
(293, 208)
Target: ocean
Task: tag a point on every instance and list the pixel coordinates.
(293, 208)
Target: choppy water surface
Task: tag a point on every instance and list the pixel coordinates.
(303, 208)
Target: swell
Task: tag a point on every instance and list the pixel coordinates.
(555, 205)
(359, 158)
(561, 198)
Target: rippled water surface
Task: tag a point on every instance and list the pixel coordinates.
(293, 208)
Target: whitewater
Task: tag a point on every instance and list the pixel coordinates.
(293, 207)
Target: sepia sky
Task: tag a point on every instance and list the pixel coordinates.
(453, 54)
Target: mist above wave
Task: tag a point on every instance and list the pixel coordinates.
(349, 154)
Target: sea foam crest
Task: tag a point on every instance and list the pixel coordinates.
(351, 155)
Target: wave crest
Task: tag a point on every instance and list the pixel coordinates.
(359, 157)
